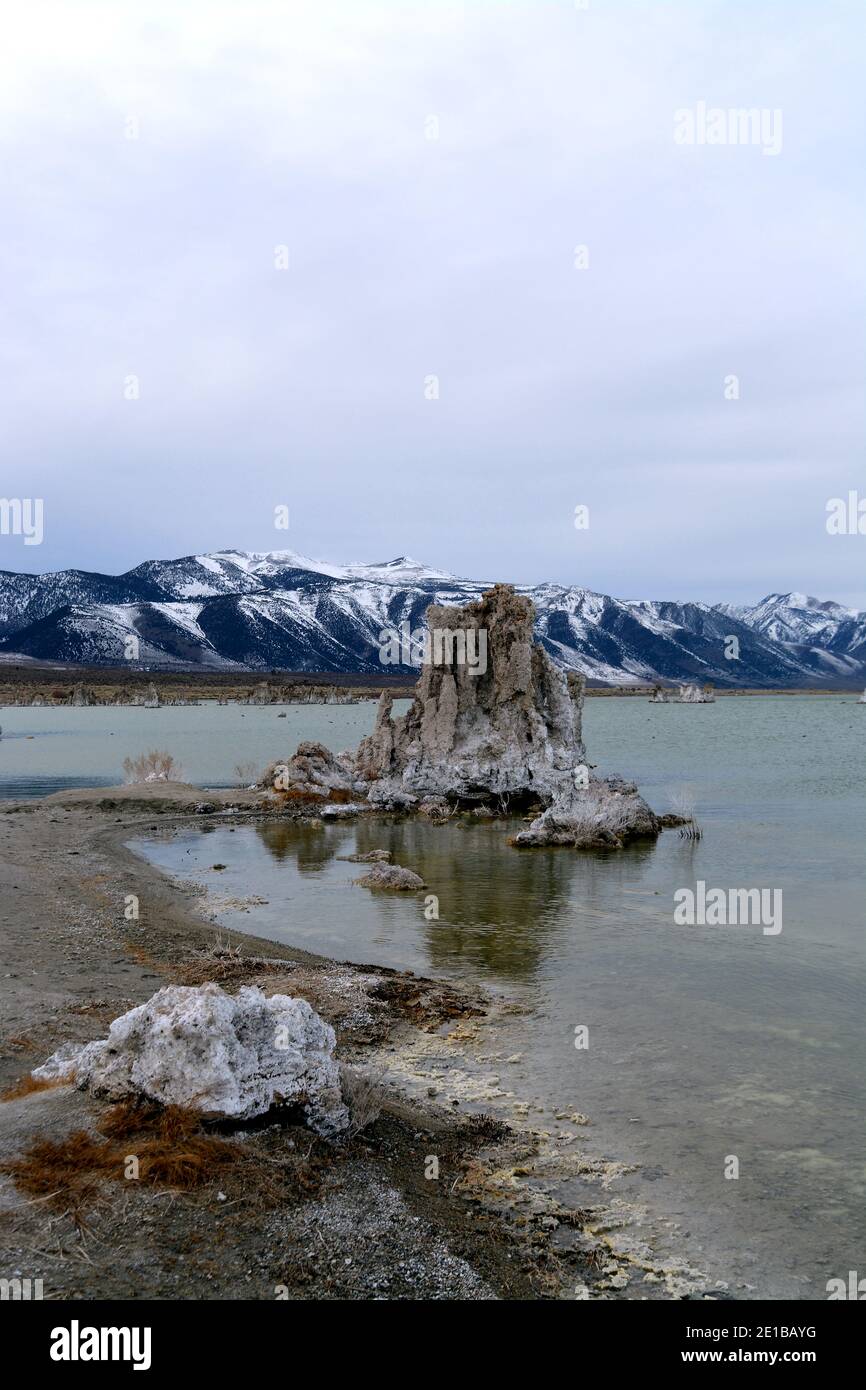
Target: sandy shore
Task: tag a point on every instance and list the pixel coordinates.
(299, 1218)
(355, 1221)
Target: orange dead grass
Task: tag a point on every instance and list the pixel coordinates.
(27, 1085)
(168, 1143)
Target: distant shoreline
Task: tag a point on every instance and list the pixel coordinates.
(53, 687)
(719, 691)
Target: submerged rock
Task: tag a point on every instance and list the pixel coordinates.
(391, 876)
(604, 814)
(234, 1055)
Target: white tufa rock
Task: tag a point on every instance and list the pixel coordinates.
(608, 812)
(686, 695)
(234, 1055)
(391, 876)
(314, 772)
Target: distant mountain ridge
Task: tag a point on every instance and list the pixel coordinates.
(237, 609)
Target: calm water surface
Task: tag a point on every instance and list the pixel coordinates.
(48, 750)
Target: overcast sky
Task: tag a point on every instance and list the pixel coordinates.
(431, 169)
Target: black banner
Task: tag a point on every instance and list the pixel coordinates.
(140, 1337)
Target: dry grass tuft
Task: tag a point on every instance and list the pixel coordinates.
(364, 1094)
(223, 964)
(174, 1150)
(28, 1085)
(168, 1143)
(683, 802)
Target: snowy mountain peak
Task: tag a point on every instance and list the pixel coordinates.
(798, 619)
(264, 564)
(799, 601)
(279, 609)
(402, 570)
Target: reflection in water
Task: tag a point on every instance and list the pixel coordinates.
(498, 907)
(306, 845)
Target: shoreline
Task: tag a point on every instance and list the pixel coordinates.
(75, 963)
(35, 687)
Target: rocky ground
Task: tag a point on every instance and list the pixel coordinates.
(287, 1215)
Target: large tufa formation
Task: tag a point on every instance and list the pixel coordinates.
(494, 724)
(147, 699)
(507, 732)
(234, 1055)
(508, 727)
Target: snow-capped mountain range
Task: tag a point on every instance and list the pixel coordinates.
(280, 610)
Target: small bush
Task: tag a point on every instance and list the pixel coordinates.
(683, 802)
(155, 766)
(364, 1094)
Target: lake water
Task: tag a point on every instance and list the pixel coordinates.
(705, 1043)
(47, 750)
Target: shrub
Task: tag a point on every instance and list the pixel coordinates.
(364, 1095)
(155, 766)
(683, 802)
